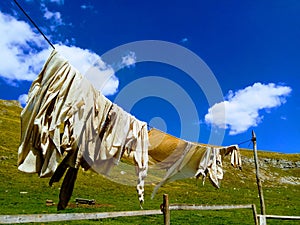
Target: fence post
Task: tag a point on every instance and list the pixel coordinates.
(254, 214)
(166, 210)
(262, 220)
(259, 185)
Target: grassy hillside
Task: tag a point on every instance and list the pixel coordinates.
(26, 193)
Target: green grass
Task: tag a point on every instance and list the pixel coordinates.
(238, 187)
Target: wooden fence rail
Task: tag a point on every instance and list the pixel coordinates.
(263, 218)
(166, 208)
(208, 207)
(165, 211)
(40, 218)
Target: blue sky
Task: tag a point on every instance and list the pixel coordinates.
(251, 48)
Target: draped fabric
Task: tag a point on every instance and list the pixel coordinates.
(183, 159)
(67, 124)
(65, 115)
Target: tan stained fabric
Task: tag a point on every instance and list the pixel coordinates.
(65, 112)
(36, 149)
(184, 159)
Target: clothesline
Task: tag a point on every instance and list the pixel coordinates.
(36, 26)
(243, 142)
(65, 113)
(149, 127)
(77, 110)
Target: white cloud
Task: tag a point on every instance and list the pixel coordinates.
(88, 6)
(103, 79)
(22, 60)
(25, 55)
(23, 99)
(54, 17)
(59, 2)
(242, 108)
(128, 60)
(101, 75)
(184, 40)
(283, 118)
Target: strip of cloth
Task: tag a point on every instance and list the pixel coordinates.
(182, 159)
(66, 115)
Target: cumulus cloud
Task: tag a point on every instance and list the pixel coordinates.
(55, 18)
(25, 55)
(128, 60)
(101, 75)
(23, 99)
(242, 109)
(52, 15)
(22, 60)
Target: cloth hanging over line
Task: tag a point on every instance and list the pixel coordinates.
(64, 113)
(65, 117)
(183, 159)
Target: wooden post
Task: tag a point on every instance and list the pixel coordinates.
(166, 210)
(254, 214)
(259, 185)
(262, 220)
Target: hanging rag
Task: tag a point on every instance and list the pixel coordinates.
(183, 159)
(65, 117)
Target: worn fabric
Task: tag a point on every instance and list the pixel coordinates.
(37, 152)
(65, 115)
(183, 159)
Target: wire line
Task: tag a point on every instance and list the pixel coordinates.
(244, 142)
(36, 26)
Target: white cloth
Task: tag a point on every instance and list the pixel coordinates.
(125, 133)
(65, 113)
(36, 149)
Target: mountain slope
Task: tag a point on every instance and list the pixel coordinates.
(26, 193)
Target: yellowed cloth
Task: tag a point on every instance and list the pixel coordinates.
(64, 111)
(37, 153)
(184, 159)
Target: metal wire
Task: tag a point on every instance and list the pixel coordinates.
(244, 142)
(36, 26)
